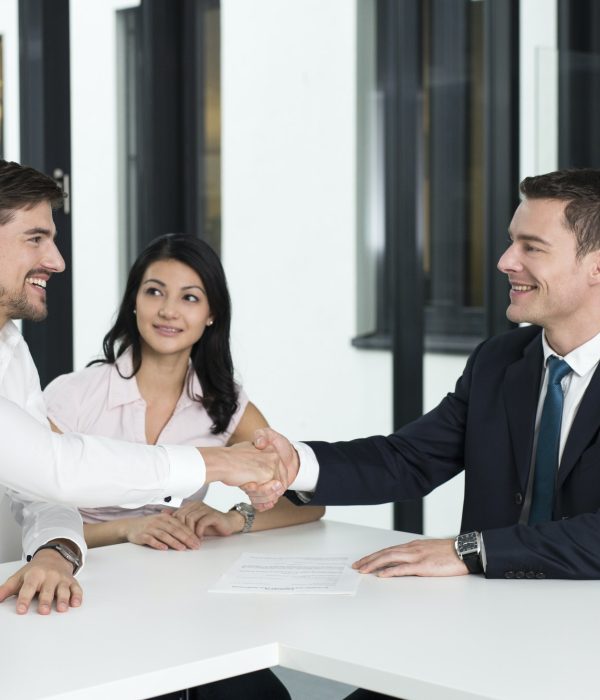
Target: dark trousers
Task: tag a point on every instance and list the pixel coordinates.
(260, 685)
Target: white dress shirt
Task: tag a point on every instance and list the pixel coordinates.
(36, 463)
(99, 400)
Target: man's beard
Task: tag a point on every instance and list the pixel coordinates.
(19, 307)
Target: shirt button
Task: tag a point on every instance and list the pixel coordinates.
(167, 499)
(518, 498)
(520, 574)
(509, 574)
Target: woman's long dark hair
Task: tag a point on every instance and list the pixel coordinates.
(211, 355)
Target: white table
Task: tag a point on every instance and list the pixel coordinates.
(149, 626)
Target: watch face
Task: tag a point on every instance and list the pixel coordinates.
(467, 544)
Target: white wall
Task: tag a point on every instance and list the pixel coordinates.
(442, 509)
(289, 221)
(94, 189)
(538, 90)
(9, 30)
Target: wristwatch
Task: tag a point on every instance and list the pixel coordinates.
(69, 554)
(468, 548)
(249, 514)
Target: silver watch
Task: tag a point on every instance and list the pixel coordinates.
(468, 549)
(249, 514)
(66, 552)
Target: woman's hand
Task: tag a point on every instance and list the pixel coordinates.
(206, 521)
(161, 531)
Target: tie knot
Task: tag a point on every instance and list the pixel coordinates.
(557, 370)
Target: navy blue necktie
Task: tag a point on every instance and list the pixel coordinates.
(546, 454)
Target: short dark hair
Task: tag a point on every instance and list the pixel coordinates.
(211, 355)
(22, 187)
(580, 187)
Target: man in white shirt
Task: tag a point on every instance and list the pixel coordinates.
(34, 462)
(523, 421)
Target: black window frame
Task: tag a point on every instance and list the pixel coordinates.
(401, 315)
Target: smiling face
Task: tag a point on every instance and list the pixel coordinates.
(172, 308)
(28, 258)
(550, 286)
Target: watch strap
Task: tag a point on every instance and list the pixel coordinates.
(468, 550)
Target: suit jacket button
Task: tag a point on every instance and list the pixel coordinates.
(530, 574)
(540, 574)
(509, 574)
(520, 574)
(518, 498)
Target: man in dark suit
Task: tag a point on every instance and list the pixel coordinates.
(523, 424)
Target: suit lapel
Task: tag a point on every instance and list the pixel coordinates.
(521, 388)
(583, 429)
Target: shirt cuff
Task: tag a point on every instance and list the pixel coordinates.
(187, 474)
(482, 552)
(308, 472)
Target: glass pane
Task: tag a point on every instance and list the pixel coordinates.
(212, 126)
(454, 177)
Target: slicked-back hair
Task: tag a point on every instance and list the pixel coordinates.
(22, 187)
(580, 188)
(211, 354)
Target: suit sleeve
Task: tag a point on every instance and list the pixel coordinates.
(405, 465)
(568, 549)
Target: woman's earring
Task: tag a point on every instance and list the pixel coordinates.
(209, 323)
(135, 311)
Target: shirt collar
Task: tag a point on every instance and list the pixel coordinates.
(582, 359)
(10, 336)
(122, 391)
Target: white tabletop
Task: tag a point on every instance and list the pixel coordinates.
(148, 626)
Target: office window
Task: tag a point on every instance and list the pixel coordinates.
(169, 122)
(128, 100)
(579, 83)
(454, 103)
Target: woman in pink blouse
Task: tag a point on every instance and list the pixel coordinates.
(167, 377)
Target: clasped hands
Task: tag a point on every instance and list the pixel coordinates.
(433, 557)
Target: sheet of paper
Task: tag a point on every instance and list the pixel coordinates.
(262, 573)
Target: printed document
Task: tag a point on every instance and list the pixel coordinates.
(263, 573)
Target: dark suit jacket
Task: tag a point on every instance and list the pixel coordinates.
(486, 427)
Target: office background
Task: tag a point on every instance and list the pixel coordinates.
(355, 162)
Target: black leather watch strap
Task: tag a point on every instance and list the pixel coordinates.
(65, 552)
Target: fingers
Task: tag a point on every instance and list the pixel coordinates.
(50, 581)
(416, 558)
(10, 587)
(214, 524)
(263, 437)
(162, 531)
(383, 558)
(26, 595)
(265, 495)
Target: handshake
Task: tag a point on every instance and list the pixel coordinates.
(264, 468)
